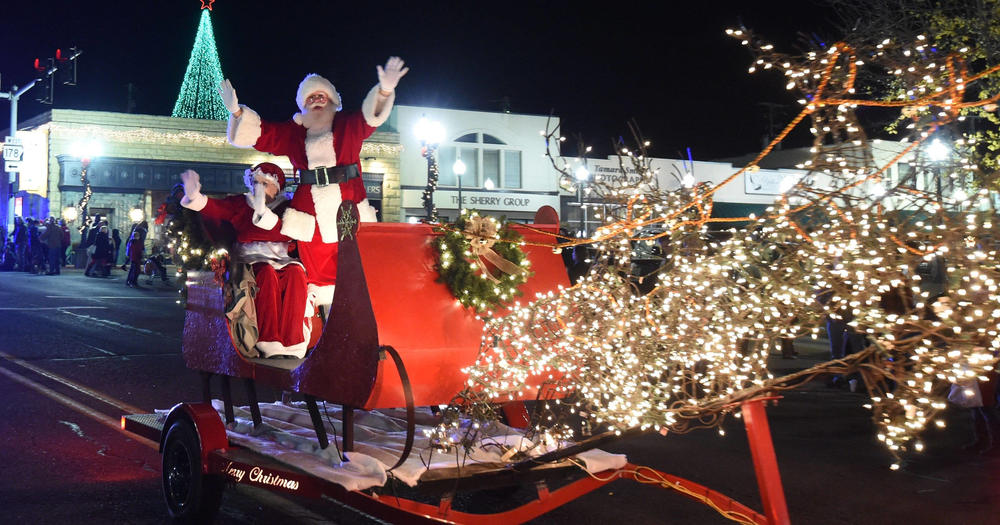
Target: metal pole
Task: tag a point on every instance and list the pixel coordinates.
(765, 462)
(13, 113)
(14, 96)
(459, 193)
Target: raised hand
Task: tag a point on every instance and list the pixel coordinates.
(228, 95)
(388, 77)
(192, 184)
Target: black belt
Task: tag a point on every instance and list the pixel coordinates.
(322, 176)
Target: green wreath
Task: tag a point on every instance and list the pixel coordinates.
(481, 261)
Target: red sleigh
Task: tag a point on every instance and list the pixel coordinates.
(387, 304)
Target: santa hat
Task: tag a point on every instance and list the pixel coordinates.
(265, 171)
(314, 83)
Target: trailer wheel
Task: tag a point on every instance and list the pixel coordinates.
(191, 495)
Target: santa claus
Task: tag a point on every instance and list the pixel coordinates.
(281, 298)
(324, 146)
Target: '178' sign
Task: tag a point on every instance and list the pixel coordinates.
(13, 150)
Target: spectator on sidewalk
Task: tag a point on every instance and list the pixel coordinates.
(36, 257)
(20, 238)
(91, 237)
(64, 242)
(134, 251)
(52, 239)
(7, 254)
(102, 254)
(116, 244)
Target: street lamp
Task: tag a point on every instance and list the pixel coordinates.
(459, 169)
(86, 151)
(937, 152)
(135, 214)
(69, 213)
(430, 133)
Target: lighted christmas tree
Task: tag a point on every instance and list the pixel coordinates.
(198, 97)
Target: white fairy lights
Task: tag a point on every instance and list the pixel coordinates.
(845, 242)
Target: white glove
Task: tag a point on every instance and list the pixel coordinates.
(228, 94)
(259, 198)
(192, 184)
(388, 78)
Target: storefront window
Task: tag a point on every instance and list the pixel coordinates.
(512, 169)
(491, 167)
(501, 166)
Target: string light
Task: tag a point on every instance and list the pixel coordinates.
(845, 242)
(198, 97)
(154, 136)
(427, 198)
(88, 192)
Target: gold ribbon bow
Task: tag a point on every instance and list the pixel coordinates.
(482, 234)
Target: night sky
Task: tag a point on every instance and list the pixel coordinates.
(671, 67)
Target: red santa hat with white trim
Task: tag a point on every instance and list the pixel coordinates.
(314, 83)
(264, 172)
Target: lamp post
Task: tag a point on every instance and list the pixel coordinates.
(938, 152)
(459, 169)
(136, 215)
(430, 133)
(86, 152)
(582, 174)
(69, 214)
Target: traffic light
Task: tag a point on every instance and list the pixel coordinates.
(61, 69)
(45, 74)
(67, 66)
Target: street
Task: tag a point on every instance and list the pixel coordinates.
(76, 353)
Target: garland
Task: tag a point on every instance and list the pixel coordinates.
(481, 261)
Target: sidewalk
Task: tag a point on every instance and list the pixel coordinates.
(115, 279)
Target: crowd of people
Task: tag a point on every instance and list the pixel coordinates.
(45, 247)
(36, 246)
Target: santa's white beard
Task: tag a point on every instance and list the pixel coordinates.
(318, 120)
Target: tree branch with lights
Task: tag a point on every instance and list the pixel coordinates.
(846, 242)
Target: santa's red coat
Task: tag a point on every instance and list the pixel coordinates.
(311, 217)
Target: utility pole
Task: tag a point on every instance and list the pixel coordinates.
(771, 108)
(46, 74)
(12, 147)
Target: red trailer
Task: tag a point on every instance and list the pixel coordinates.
(387, 304)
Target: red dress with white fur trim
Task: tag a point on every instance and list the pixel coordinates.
(281, 298)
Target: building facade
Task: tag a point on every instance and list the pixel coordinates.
(141, 158)
(506, 171)
(750, 192)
